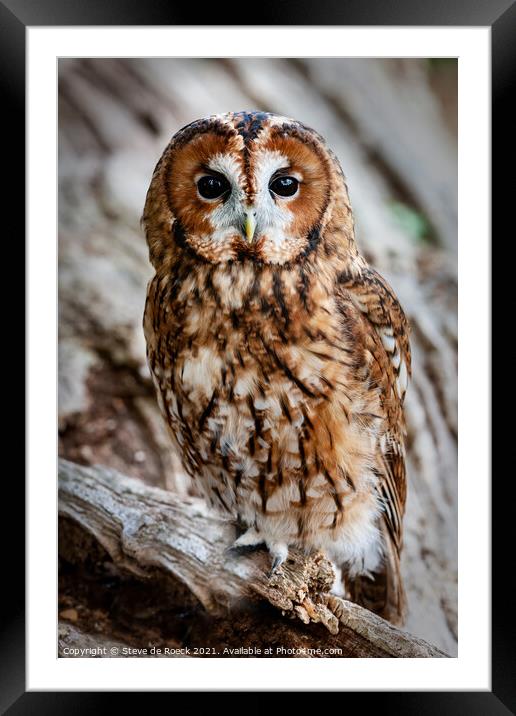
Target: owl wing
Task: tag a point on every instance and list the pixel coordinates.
(386, 338)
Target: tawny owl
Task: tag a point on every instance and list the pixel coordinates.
(280, 358)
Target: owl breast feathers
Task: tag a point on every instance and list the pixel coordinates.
(280, 358)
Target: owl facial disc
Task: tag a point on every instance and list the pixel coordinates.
(249, 186)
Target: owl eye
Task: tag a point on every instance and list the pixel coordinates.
(284, 186)
(212, 187)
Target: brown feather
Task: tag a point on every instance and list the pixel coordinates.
(385, 317)
(279, 363)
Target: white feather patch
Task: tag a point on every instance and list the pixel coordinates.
(402, 380)
(389, 342)
(395, 359)
(202, 371)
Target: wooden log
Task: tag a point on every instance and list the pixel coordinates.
(148, 531)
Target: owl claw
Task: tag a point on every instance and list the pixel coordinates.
(276, 562)
(279, 553)
(252, 538)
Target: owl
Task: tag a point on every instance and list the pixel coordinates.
(279, 356)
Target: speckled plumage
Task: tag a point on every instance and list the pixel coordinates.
(280, 363)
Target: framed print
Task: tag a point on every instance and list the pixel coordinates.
(258, 421)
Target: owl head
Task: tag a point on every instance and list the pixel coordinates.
(245, 186)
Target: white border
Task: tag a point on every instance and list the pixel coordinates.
(471, 670)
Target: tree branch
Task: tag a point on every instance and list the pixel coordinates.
(147, 531)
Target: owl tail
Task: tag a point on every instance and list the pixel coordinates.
(383, 593)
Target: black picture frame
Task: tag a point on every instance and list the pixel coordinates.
(15, 17)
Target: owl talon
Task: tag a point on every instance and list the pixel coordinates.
(279, 553)
(276, 562)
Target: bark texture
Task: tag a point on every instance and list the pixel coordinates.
(153, 534)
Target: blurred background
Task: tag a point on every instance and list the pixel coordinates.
(393, 125)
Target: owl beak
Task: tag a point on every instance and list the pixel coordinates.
(250, 224)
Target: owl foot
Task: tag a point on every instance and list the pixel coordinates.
(252, 538)
(279, 553)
